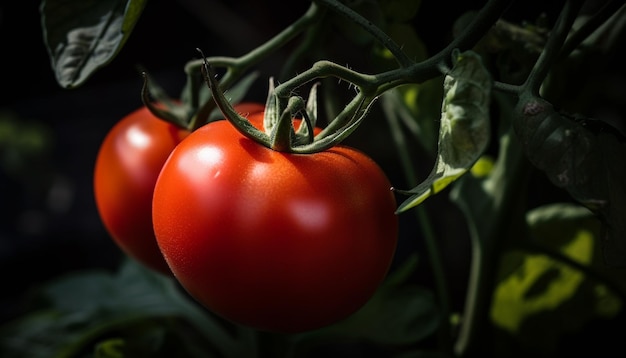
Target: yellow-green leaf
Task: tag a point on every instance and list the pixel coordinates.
(464, 129)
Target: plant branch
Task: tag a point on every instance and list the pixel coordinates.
(430, 68)
(550, 53)
(507, 88)
(377, 33)
(476, 30)
(598, 19)
(369, 87)
(236, 67)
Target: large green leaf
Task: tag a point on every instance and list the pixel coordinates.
(464, 129)
(585, 157)
(84, 35)
(545, 294)
(136, 311)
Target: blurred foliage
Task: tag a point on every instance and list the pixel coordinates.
(138, 313)
(540, 296)
(25, 146)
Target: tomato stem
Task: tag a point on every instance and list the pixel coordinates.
(282, 133)
(551, 51)
(236, 67)
(377, 33)
(240, 123)
(165, 114)
(280, 111)
(306, 129)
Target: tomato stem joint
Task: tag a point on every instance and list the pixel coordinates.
(278, 123)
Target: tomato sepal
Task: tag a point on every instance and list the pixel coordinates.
(278, 132)
(167, 109)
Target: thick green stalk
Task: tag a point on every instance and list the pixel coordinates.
(235, 67)
(369, 87)
(553, 47)
(611, 8)
(401, 57)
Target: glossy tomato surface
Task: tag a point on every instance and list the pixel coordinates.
(127, 166)
(275, 241)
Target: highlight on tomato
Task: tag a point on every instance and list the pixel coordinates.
(126, 169)
(272, 240)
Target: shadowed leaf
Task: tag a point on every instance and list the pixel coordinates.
(464, 130)
(586, 158)
(82, 36)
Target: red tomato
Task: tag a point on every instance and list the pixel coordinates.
(276, 241)
(127, 166)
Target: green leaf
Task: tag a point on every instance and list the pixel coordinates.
(539, 291)
(553, 226)
(83, 36)
(586, 158)
(464, 129)
(147, 311)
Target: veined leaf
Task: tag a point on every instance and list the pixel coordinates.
(464, 130)
(82, 36)
(537, 292)
(584, 157)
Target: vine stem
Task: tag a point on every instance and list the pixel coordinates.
(597, 20)
(377, 33)
(235, 67)
(553, 47)
(485, 251)
(370, 87)
(377, 84)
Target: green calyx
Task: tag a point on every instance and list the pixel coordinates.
(280, 114)
(164, 108)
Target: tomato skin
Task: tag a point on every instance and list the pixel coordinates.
(276, 241)
(127, 166)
